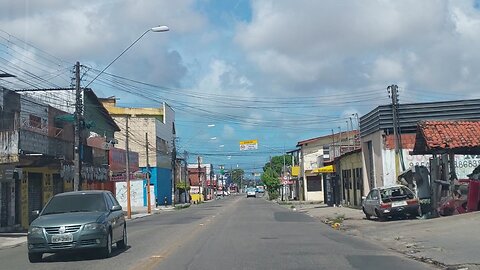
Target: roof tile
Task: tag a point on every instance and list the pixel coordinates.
(451, 134)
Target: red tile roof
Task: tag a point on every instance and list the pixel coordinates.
(408, 141)
(456, 136)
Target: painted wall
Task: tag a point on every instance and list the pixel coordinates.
(10, 143)
(311, 153)
(351, 162)
(164, 185)
(136, 193)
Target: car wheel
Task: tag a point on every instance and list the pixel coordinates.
(366, 215)
(380, 216)
(122, 244)
(35, 257)
(107, 250)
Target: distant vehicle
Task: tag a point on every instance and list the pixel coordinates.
(74, 221)
(384, 202)
(260, 189)
(251, 192)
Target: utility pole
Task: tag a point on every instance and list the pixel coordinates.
(127, 170)
(149, 207)
(333, 146)
(185, 156)
(340, 141)
(358, 131)
(393, 92)
(200, 192)
(174, 166)
(78, 115)
(352, 142)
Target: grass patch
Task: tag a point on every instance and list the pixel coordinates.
(179, 207)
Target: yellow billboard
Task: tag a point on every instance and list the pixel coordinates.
(248, 145)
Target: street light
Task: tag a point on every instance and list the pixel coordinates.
(78, 108)
(156, 29)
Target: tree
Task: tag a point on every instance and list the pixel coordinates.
(237, 175)
(272, 172)
(276, 163)
(272, 182)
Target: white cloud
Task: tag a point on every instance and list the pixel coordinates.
(311, 45)
(228, 131)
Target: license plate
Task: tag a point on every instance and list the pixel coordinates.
(396, 204)
(62, 238)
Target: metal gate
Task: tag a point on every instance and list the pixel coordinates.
(34, 194)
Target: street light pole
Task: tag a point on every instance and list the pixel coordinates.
(78, 120)
(162, 28)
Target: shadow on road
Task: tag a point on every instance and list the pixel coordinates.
(80, 256)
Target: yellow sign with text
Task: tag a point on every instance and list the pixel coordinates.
(248, 145)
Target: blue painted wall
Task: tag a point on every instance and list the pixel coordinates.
(161, 179)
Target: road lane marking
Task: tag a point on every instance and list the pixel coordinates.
(154, 261)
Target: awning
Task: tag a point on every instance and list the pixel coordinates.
(326, 169)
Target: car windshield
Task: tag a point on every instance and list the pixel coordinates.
(75, 203)
(396, 194)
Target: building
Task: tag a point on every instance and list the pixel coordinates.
(196, 179)
(348, 185)
(378, 142)
(36, 152)
(207, 183)
(314, 154)
(157, 126)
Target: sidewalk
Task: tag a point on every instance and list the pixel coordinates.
(446, 241)
(10, 240)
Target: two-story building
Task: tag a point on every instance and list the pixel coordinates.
(314, 154)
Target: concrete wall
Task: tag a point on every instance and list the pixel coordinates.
(136, 193)
(351, 162)
(374, 179)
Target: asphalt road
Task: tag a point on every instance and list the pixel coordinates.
(234, 233)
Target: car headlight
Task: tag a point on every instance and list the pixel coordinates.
(94, 226)
(35, 230)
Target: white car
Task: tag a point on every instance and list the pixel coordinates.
(251, 192)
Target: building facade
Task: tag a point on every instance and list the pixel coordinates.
(315, 153)
(157, 126)
(379, 158)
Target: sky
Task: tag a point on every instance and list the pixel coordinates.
(273, 70)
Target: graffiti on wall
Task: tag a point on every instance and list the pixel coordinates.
(464, 164)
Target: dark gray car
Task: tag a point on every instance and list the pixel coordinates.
(75, 221)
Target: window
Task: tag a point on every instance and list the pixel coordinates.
(35, 121)
(314, 183)
(75, 203)
(110, 203)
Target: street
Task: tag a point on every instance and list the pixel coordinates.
(233, 233)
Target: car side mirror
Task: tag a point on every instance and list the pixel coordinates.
(364, 198)
(35, 213)
(116, 208)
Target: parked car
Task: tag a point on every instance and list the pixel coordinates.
(260, 189)
(384, 202)
(251, 192)
(75, 221)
